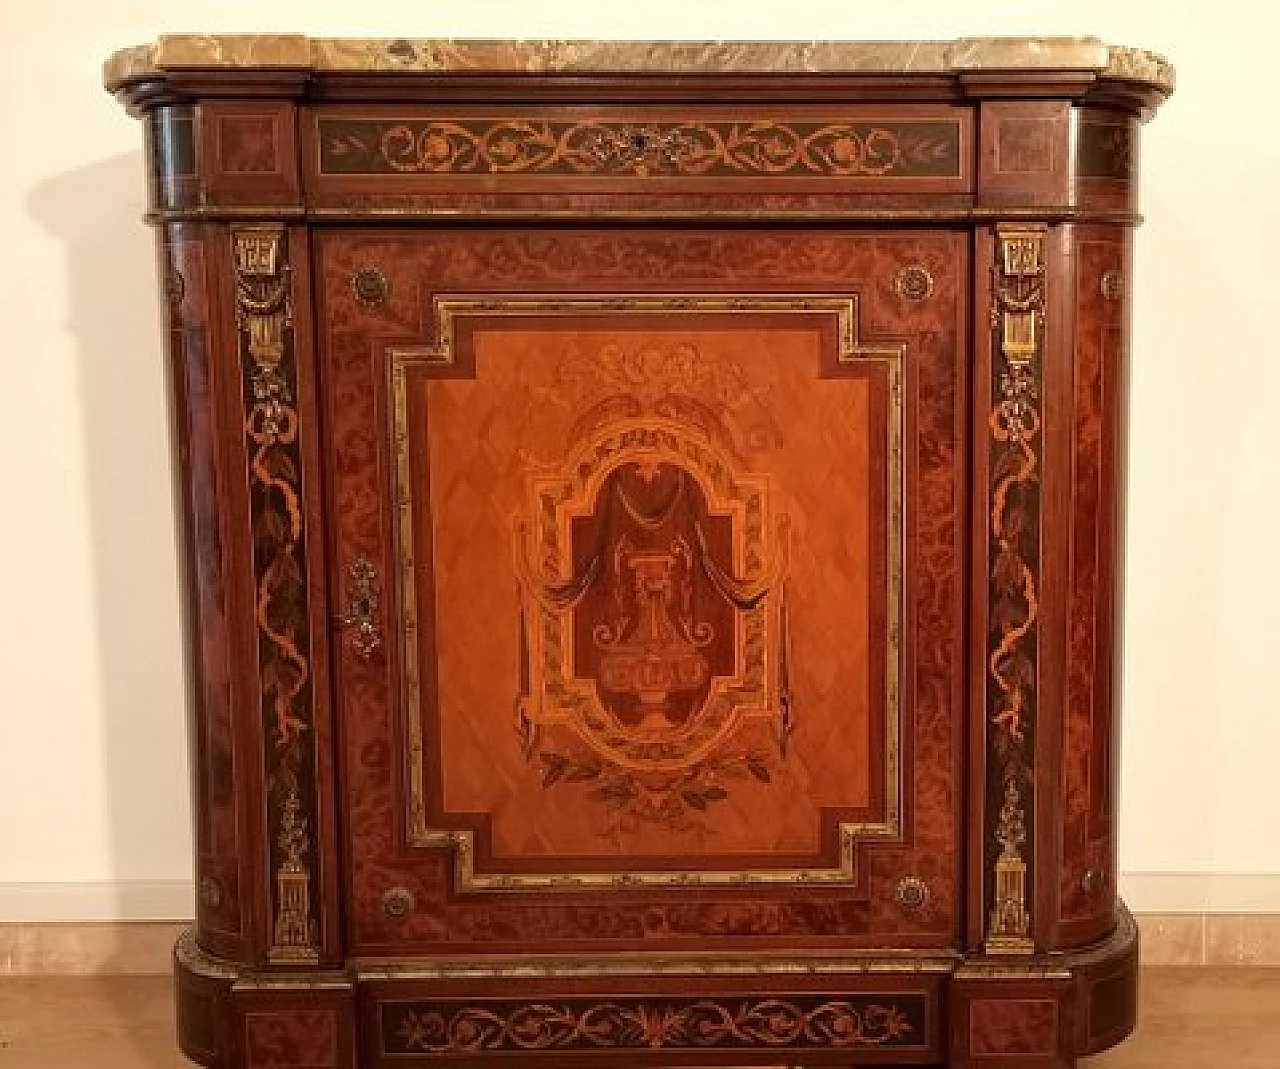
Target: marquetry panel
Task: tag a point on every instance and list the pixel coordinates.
(1012, 451)
(1008, 1020)
(736, 371)
(821, 1022)
(737, 726)
(386, 154)
(1013, 1026)
(291, 1027)
(1024, 152)
(249, 153)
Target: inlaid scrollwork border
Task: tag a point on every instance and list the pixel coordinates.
(441, 352)
(644, 145)
(884, 1020)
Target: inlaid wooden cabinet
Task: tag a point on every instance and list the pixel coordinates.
(653, 533)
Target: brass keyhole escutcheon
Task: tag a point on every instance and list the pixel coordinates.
(361, 613)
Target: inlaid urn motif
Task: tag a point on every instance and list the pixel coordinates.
(654, 617)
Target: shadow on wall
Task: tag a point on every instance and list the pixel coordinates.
(95, 214)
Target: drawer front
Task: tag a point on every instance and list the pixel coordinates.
(602, 1021)
(649, 544)
(735, 159)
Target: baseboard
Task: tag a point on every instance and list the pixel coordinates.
(94, 948)
(1201, 892)
(90, 929)
(106, 900)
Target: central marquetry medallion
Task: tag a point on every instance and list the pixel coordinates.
(653, 621)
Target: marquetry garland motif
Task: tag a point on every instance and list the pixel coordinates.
(641, 148)
(265, 331)
(1014, 565)
(653, 1024)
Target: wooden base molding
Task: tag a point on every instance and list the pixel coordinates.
(1046, 1009)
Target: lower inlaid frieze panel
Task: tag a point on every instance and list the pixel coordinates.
(821, 1021)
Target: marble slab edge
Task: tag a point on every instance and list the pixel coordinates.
(186, 52)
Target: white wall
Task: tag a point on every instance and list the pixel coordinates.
(93, 796)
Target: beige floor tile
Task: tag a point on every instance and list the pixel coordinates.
(8, 948)
(136, 949)
(1203, 1019)
(1172, 938)
(1242, 939)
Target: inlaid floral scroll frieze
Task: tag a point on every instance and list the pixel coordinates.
(642, 148)
(638, 1024)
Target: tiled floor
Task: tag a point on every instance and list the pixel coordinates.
(1191, 1019)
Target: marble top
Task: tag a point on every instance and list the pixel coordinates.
(184, 52)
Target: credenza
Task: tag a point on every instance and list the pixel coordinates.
(653, 530)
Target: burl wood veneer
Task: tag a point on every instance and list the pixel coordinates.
(653, 525)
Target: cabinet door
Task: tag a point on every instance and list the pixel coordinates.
(650, 544)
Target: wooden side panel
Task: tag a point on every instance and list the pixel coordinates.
(1100, 259)
(1105, 159)
(223, 758)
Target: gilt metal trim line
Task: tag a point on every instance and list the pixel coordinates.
(264, 328)
(596, 966)
(1012, 641)
(441, 353)
(541, 213)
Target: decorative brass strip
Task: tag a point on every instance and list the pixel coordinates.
(188, 955)
(448, 310)
(598, 966)
(1014, 423)
(623, 214)
(269, 374)
(1030, 971)
(192, 959)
